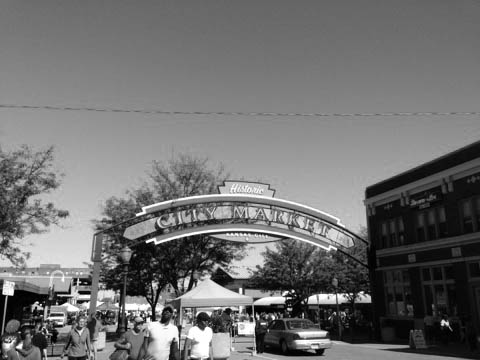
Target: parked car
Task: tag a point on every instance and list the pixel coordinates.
(297, 334)
(57, 318)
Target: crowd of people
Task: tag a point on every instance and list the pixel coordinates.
(160, 340)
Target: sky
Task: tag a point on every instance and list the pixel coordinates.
(277, 57)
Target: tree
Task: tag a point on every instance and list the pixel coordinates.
(26, 177)
(177, 261)
(301, 269)
(353, 278)
(296, 268)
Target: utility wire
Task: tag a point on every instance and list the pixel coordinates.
(228, 113)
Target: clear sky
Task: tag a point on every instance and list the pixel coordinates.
(275, 56)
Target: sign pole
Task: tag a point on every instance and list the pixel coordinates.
(4, 313)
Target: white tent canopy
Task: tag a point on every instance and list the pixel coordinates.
(270, 301)
(86, 305)
(209, 294)
(70, 307)
(330, 299)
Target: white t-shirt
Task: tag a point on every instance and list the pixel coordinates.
(160, 338)
(201, 340)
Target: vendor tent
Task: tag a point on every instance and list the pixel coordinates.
(107, 306)
(331, 299)
(270, 301)
(70, 307)
(209, 294)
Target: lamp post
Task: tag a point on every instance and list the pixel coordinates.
(48, 303)
(335, 285)
(125, 256)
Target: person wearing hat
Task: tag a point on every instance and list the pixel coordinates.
(133, 339)
(199, 340)
(160, 338)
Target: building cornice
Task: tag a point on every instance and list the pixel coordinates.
(447, 176)
(430, 245)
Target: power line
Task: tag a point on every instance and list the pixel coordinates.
(229, 113)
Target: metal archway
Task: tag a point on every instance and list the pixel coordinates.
(230, 213)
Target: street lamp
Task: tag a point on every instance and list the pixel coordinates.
(51, 294)
(335, 285)
(125, 256)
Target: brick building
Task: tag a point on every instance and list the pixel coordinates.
(424, 226)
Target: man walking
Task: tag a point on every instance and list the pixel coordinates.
(160, 337)
(39, 339)
(261, 326)
(199, 340)
(132, 340)
(94, 326)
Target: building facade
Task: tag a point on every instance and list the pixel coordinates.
(424, 227)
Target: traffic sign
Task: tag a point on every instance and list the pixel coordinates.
(8, 288)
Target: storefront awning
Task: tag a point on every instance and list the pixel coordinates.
(38, 284)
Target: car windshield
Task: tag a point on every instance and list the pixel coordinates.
(57, 314)
(300, 324)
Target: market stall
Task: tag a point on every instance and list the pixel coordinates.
(210, 294)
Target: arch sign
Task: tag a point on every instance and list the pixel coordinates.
(242, 211)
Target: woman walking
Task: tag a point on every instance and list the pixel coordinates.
(78, 342)
(445, 329)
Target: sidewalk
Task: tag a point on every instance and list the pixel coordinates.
(452, 350)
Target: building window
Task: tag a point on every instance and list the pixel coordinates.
(392, 232)
(430, 224)
(384, 236)
(420, 226)
(439, 291)
(474, 269)
(470, 214)
(398, 293)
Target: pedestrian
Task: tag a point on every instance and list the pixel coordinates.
(39, 339)
(54, 336)
(94, 326)
(227, 319)
(429, 328)
(199, 340)
(471, 335)
(10, 337)
(35, 313)
(133, 339)
(445, 329)
(78, 345)
(161, 338)
(25, 350)
(261, 326)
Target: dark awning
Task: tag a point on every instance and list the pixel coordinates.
(38, 284)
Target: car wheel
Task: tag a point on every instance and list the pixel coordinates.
(284, 347)
(320, 351)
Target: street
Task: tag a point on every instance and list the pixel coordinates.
(243, 347)
(346, 351)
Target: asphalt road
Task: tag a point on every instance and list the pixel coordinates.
(346, 351)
